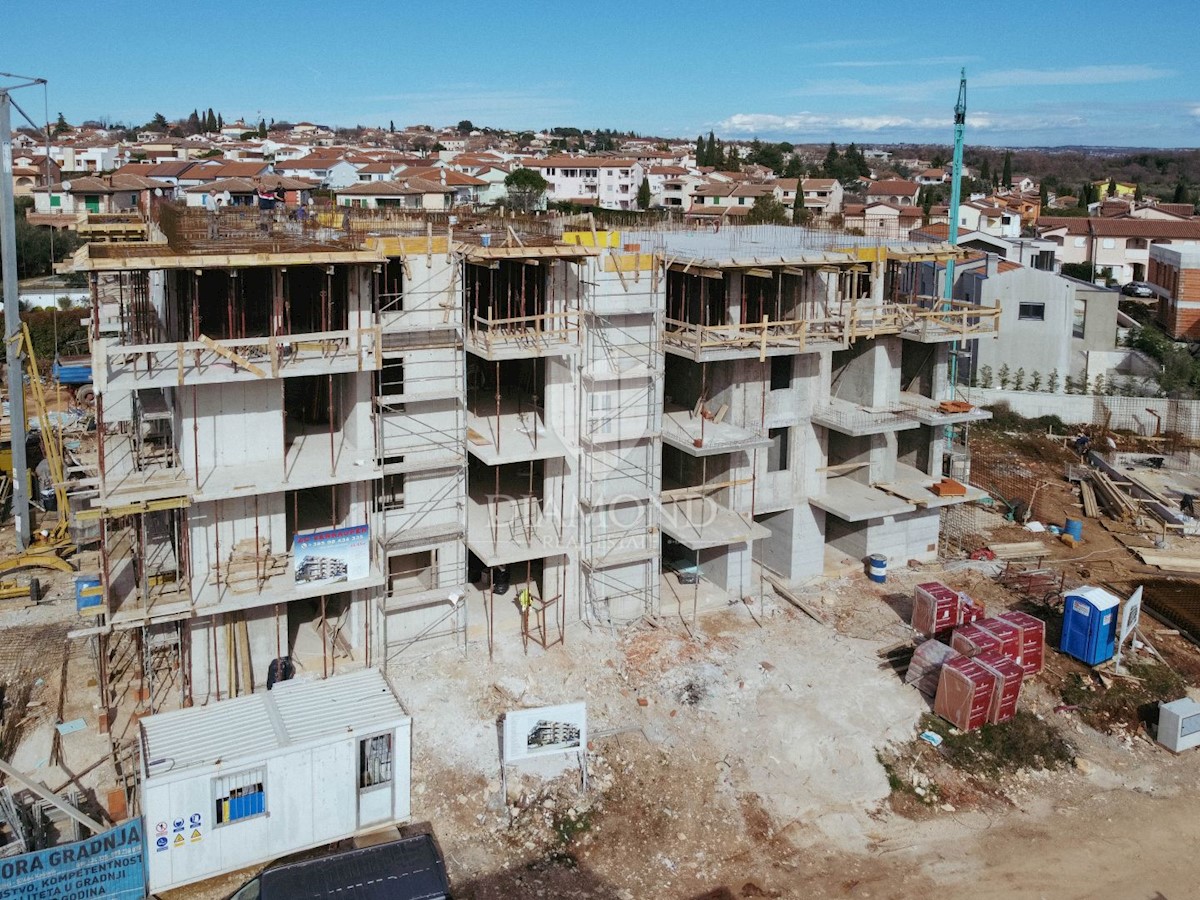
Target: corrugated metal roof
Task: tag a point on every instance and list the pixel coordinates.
(294, 712)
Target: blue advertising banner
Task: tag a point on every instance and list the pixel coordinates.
(332, 555)
(106, 865)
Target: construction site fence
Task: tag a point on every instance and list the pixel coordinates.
(1144, 416)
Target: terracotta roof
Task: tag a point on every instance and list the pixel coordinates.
(247, 185)
(892, 186)
(1143, 228)
(668, 170)
(1177, 209)
(1007, 265)
(398, 188)
(236, 169)
(453, 177)
(173, 169)
(376, 168)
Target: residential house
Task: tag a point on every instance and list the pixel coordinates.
(894, 191)
(932, 176)
(822, 196)
(1121, 245)
(1176, 270)
(983, 216)
(879, 219)
(245, 191)
(32, 169)
(1049, 326)
(596, 180)
(401, 193)
(330, 171)
(94, 194)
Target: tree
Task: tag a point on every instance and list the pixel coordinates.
(1006, 177)
(767, 211)
(210, 122)
(193, 125)
(465, 127)
(1052, 382)
(1181, 191)
(220, 122)
(1035, 381)
(262, 128)
(1112, 186)
(643, 194)
(391, 126)
(1019, 379)
(1004, 377)
(525, 189)
(701, 151)
(985, 377)
(1044, 196)
(985, 171)
(60, 125)
(159, 122)
(800, 215)
(831, 161)
(1137, 192)
(711, 153)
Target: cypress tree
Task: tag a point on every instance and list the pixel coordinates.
(1006, 178)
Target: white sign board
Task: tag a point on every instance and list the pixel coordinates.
(1130, 615)
(544, 731)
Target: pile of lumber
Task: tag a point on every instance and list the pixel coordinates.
(252, 564)
(1118, 503)
(1091, 508)
(1169, 561)
(1020, 550)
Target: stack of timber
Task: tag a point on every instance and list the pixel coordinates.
(1186, 563)
(1119, 504)
(252, 564)
(1087, 493)
(1019, 550)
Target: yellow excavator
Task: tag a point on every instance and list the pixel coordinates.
(52, 544)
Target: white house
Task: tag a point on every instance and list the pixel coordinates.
(402, 193)
(603, 181)
(330, 171)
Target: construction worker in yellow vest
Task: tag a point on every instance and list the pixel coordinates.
(524, 599)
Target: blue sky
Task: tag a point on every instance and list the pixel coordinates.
(1039, 73)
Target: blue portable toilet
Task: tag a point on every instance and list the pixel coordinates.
(1089, 631)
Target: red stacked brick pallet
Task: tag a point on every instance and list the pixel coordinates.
(971, 640)
(1007, 633)
(1009, 675)
(1033, 639)
(964, 695)
(935, 608)
(969, 610)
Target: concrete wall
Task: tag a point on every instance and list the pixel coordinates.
(1042, 346)
(1086, 409)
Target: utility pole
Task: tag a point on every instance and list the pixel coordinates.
(18, 424)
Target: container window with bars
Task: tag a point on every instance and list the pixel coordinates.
(375, 761)
(240, 796)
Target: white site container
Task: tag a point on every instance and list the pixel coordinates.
(245, 781)
(1179, 724)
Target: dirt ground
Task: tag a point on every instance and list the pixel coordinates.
(744, 756)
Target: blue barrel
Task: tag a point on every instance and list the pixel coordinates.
(1074, 527)
(485, 240)
(87, 591)
(877, 568)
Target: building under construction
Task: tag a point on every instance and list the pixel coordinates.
(347, 443)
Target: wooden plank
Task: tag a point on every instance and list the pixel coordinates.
(783, 591)
(235, 358)
(1019, 549)
(1090, 508)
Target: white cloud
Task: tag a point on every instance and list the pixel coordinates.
(767, 123)
(881, 63)
(1080, 75)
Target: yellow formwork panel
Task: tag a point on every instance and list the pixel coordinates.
(409, 245)
(593, 239)
(628, 262)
